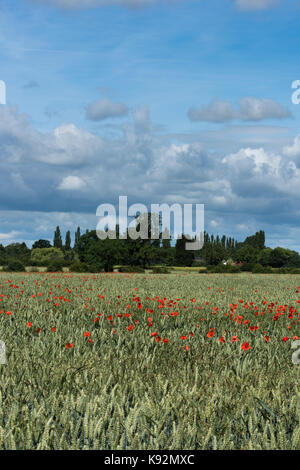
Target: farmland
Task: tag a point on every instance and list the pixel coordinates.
(144, 361)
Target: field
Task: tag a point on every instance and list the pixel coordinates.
(140, 361)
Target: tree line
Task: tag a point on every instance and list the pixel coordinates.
(91, 254)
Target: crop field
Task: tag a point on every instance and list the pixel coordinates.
(145, 361)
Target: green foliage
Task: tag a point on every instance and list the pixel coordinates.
(183, 257)
(280, 257)
(15, 266)
(96, 252)
(55, 265)
(257, 241)
(41, 244)
(258, 268)
(131, 269)
(45, 256)
(57, 240)
(247, 267)
(78, 267)
(18, 251)
(160, 270)
(221, 268)
(67, 246)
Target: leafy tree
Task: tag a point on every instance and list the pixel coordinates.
(264, 257)
(77, 238)
(282, 257)
(68, 241)
(18, 251)
(183, 257)
(45, 256)
(57, 241)
(96, 252)
(257, 241)
(41, 244)
(3, 255)
(246, 254)
(15, 266)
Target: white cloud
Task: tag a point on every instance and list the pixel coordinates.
(253, 5)
(99, 110)
(294, 149)
(71, 183)
(260, 161)
(9, 236)
(250, 109)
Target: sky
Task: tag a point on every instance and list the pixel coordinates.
(162, 101)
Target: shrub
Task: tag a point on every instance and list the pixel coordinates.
(55, 266)
(16, 266)
(131, 269)
(160, 270)
(223, 268)
(295, 271)
(247, 267)
(78, 267)
(94, 268)
(258, 268)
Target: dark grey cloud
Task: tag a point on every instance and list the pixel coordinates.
(104, 109)
(249, 109)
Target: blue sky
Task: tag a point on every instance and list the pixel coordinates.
(162, 101)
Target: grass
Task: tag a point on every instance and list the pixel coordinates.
(95, 384)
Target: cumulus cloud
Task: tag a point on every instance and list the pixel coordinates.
(252, 5)
(249, 109)
(294, 149)
(254, 161)
(100, 110)
(37, 169)
(67, 144)
(71, 183)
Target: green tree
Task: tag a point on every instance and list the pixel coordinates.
(68, 241)
(18, 251)
(77, 238)
(183, 257)
(46, 256)
(41, 244)
(57, 241)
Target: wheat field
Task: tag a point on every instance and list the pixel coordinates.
(155, 362)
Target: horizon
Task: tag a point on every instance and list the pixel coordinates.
(182, 101)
